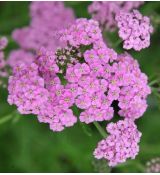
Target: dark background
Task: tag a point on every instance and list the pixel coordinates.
(28, 146)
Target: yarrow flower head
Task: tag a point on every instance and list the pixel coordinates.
(105, 12)
(46, 19)
(134, 30)
(104, 77)
(82, 32)
(3, 44)
(88, 81)
(39, 92)
(19, 56)
(121, 144)
(86, 74)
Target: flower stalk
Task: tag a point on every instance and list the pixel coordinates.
(100, 129)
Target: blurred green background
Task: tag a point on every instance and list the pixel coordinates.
(28, 146)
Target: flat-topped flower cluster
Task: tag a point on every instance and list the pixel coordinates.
(46, 19)
(104, 12)
(88, 76)
(134, 30)
(122, 143)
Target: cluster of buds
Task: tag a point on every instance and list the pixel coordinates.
(153, 166)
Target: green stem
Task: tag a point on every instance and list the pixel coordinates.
(16, 118)
(117, 43)
(100, 129)
(6, 118)
(153, 82)
(155, 91)
(86, 129)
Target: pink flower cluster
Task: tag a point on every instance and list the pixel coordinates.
(87, 76)
(82, 32)
(20, 56)
(105, 77)
(45, 97)
(121, 144)
(105, 12)
(46, 19)
(99, 84)
(3, 44)
(134, 30)
(98, 78)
